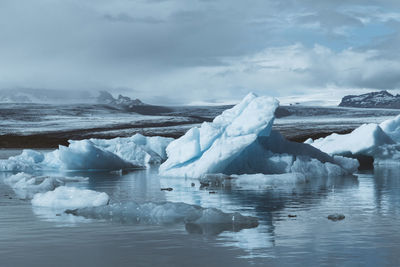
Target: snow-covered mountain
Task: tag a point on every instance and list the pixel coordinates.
(36, 95)
(128, 104)
(381, 99)
(122, 101)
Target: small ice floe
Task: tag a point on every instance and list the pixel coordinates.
(70, 198)
(168, 213)
(26, 186)
(241, 141)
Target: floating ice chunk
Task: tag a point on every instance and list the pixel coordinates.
(84, 155)
(26, 186)
(138, 149)
(392, 128)
(315, 168)
(213, 146)
(28, 160)
(362, 140)
(70, 198)
(165, 213)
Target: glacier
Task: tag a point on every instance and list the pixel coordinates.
(241, 141)
(133, 152)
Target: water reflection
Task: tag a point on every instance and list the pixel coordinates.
(369, 200)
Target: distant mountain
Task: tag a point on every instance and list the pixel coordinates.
(128, 104)
(382, 99)
(37, 95)
(16, 98)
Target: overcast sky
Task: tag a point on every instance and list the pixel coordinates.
(167, 51)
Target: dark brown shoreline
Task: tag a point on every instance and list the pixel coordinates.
(53, 140)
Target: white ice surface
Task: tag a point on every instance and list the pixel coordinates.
(362, 140)
(392, 128)
(138, 149)
(378, 141)
(70, 198)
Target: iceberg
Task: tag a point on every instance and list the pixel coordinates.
(26, 186)
(138, 149)
(70, 198)
(392, 128)
(369, 143)
(94, 154)
(241, 141)
(362, 140)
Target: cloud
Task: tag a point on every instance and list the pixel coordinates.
(199, 50)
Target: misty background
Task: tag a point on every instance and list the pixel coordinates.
(203, 51)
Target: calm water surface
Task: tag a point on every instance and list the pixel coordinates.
(368, 236)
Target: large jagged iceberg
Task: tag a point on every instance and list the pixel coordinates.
(93, 154)
(241, 141)
(371, 143)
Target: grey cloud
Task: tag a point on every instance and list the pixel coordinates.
(187, 48)
(123, 17)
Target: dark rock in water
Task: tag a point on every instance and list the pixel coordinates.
(382, 99)
(73, 212)
(167, 189)
(204, 184)
(292, 215)
(336, 217)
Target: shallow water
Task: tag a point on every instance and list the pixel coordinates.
(368, 236)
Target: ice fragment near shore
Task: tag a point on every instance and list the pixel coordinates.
(364, 139)
(138, 149)
(94, 154)
(374, 143)
(240, 141)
